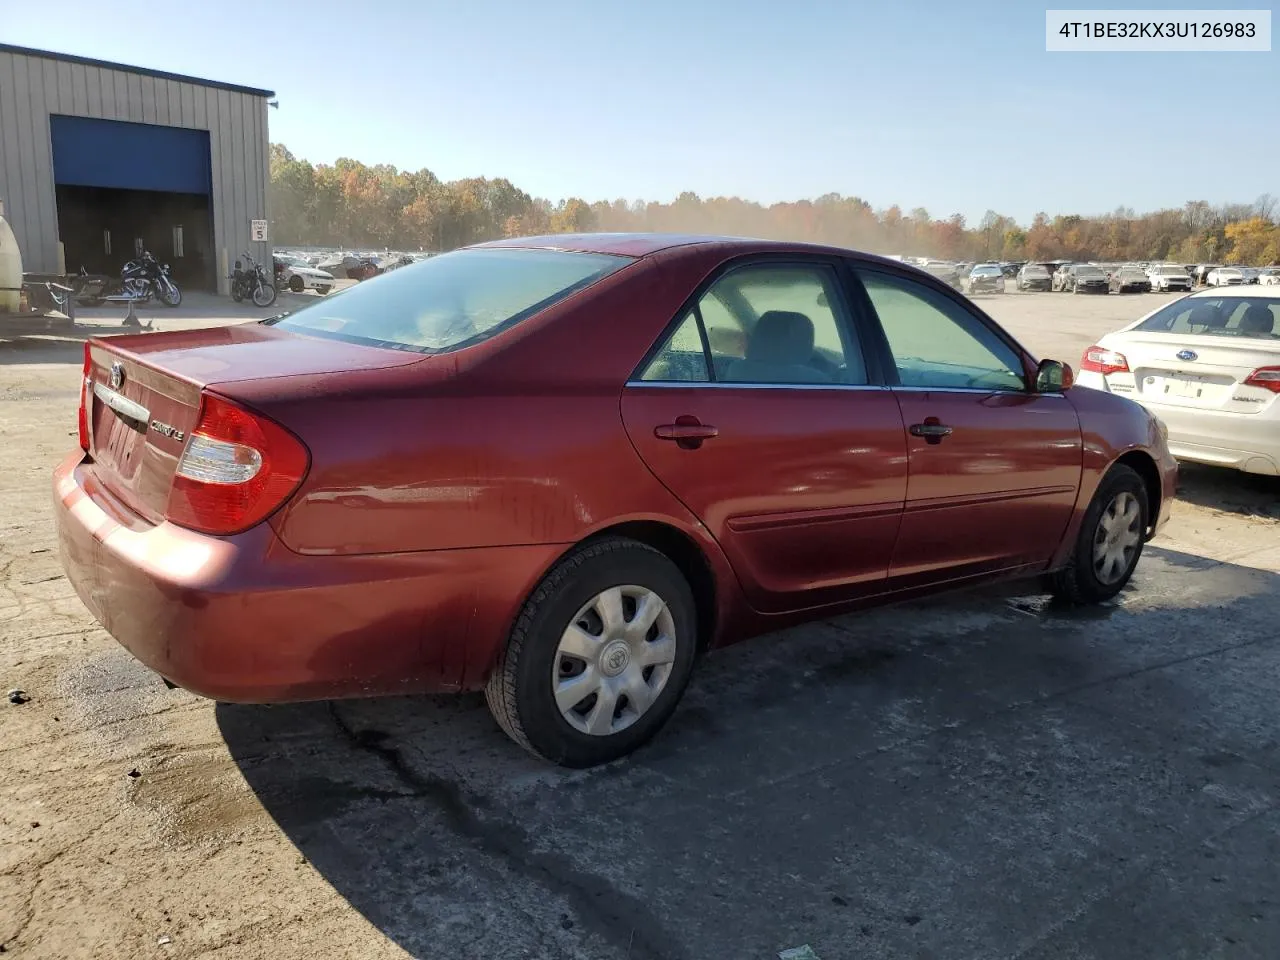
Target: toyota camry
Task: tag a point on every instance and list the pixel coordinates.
(560, 469)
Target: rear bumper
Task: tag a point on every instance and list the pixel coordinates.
(245, 619)
(1247, 442)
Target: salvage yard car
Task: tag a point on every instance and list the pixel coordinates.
(1083, 278)
(559, 469)
(984, 278)
(1168, 278)
(1033, 276)
(298, 275)
(1225, 277)
(1208, 365)
(1129, 279)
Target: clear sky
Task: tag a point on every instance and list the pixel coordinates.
(952, 106)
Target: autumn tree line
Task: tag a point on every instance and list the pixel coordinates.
(350, 205)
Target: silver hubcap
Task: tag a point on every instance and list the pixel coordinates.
(613, 660)
(1117, 538)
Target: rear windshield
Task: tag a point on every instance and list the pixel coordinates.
(1035, 270)
(986, 271)
(1171, 271)
(1088, 272)
(452, 300)
(1251, 317)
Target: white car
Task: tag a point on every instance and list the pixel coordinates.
(1208, 366)
(1270, 277)
(298, 275)
(1166, 278)
(1225, 277)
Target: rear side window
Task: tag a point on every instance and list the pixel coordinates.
(452, 300)
(1251, 317)
(764, 323)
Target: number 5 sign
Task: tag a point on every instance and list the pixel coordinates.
(258, 231)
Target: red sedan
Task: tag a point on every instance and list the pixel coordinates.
(559, 469)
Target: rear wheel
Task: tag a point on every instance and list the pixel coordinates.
(599, 656)
(1110, 541)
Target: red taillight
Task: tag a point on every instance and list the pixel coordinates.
(1268, 378)
(85, 386)
(1101, 360)
(237, 468)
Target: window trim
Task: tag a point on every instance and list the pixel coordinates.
(845, 313)
(881, 339)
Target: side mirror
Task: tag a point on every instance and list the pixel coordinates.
(1054, 376)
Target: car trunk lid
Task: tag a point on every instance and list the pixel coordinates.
(143, 394)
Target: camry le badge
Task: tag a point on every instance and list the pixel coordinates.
(117, 375)
(1187, 355)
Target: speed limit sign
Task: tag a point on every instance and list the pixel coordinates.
(258, 231)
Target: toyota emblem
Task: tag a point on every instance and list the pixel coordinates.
(117, 375)
(1187, 355)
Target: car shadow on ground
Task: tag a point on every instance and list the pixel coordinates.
(980, 775)
(1247, 494)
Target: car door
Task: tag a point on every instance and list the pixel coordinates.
(993, 466)
(759, 412)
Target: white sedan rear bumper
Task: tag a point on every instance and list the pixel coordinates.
(1249, 442)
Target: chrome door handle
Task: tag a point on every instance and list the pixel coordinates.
(932, 430)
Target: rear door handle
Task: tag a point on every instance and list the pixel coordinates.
(688, 432)
(933, 430)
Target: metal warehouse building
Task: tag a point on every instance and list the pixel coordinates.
(100, 160)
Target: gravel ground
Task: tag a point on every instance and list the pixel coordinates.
(981, 775)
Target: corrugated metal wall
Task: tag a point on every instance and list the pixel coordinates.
(32, 88)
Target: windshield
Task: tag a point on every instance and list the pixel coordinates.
(1088, 272)
(986, 271)
(1035, 270)
(1251, 317)
(1171, 271)
(451, 300)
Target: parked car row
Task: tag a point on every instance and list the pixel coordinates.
(1065, 276)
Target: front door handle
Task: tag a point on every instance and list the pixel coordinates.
(933, 430)
(688, 432)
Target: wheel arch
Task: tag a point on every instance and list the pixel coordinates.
(1142, 463)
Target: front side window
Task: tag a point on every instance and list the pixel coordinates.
(935, 342)
(1251, 317)
(766, 323)
(452, 300)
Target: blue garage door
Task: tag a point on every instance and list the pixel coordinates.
(88, 152)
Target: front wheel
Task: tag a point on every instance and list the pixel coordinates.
(264, 294)
(599, 655)
(170, 294)
(1110, 541)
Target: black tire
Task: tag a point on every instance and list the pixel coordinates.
(295, 284)
(1078, 581)
(519, 691)
(321, 291)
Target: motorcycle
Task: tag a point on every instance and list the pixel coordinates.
(252, 283)
(140, 281)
